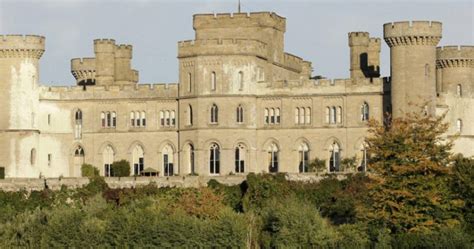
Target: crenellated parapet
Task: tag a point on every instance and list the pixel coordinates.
(455, 56)
(408, 33)
(222, 47)
(292, 62)
(138, 91)
(22, 46)
(83, 68)
(239, 20)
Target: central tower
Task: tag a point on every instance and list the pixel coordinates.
(412, 64)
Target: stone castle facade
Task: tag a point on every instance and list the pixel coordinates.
(242, 104)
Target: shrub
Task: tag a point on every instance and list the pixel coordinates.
(88, 170)
(317, 165)
(349, 164)
(121, 168)
(292, 223)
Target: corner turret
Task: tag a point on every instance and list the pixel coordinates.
(413, 64)
(364, 55)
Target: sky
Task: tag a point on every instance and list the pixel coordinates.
(316, 30)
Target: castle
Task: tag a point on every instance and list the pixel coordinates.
(242, 104)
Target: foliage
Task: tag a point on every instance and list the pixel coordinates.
(232, 195)
(409, 157)
(295, 224)
(261, 189)
(121, 168)
(463, 185)
(87, 170)
(317, 165)
(349, 164)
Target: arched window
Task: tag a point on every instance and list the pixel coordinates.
(328, 115)
(109, 119)
(102, 117)
(162, 118)
(79, 152)
(78, 124)
(240, 79)
(240, 114)
(334, 157)
(214, 159)
(297, 115)
(307, 118)
(333, 115)
(459, 90)
(168, 161)
(272, 158)
(173, 118)
(214, 114)
(138, 160)
(167, 118)
(302, 114)
(108, 159)
(364, 112)
(267, 120)
(190, 115)
(190, 82)
(459, 126)
(114, 119)
(277, 114)
(303, 158)
(240, 158)
(339, 114)
(427, 70)
(213, 81)
(143, 117)
(272, 115)
(33, 157)
(132, 119)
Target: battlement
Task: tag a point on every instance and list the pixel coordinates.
(412, 28)
(20, 42)
(104, 45)
(292, 61)
(221, 46)
(123, 51)
(83, 64)
(358, 38)
(234, 20)
(455, 52)
(140, 91)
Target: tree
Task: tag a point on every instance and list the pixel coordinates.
(121, 168)
(88, 170)
(409, 159)
(463, 184)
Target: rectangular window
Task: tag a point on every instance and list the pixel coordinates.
(50, 158)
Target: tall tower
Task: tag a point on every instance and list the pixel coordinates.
(412, 64)
(364, 55)
(19, 100)
(104, 61)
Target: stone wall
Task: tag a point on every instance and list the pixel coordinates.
(32, 184)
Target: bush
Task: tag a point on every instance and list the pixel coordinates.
(317, 165)
(295, 224)
(121, 168)
(443, 238)
(88, 170)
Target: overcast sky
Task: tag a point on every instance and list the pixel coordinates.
(316, 30)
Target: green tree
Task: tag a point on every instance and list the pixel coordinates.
(463, 185)
(88, 170)
(121, 168)
(409, 159)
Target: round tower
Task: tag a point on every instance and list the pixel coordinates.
(19, 101)
(412, 64)
(455, 66)
(104, 61)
